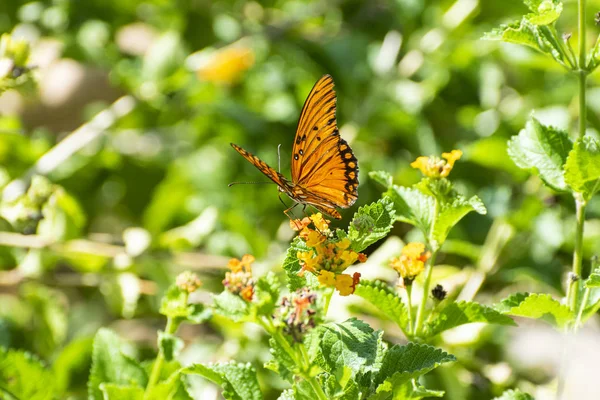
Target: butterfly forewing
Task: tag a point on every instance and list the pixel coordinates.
(322, 161)
(324, 169)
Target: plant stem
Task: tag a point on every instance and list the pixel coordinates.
(409, 292)
(421, 310)
(582, 73)
(160, 358)
(586, 296)
(573, 289)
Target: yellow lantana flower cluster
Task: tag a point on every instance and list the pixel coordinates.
(240, 281)
(411, 262)
(328, 257)
(436, 167)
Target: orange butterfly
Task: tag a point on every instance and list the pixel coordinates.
(324, 169)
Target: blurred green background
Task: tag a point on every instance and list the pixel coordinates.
(141, 100)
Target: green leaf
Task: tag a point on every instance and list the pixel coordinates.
(451, 213)
(385, 300)
(73, 364)
(536, 306)
(542, 150)
(112, 391)
(175, 305)
(410, 390)
(340, 386)
(237, 380)
(582, 169)
(382, 177)
(287, 395)
(231, 306)
(593, 281)
(266, 292)
(282, 363)
(291, 264)
(371, 223)
(404, 363)
(24, 377)
(413, 207)
(519, 32)
(544, 12)
(352, 344)
(463, 312)
(171, 388)
(515, 394)
(111, 364)
(170, 345)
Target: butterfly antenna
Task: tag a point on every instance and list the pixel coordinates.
(249, 183)
(279, 158)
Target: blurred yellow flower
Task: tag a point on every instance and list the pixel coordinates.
(314, 238)
(435, 167)
(411, 261)
(319, 222)
(326, 278)
(227, 64)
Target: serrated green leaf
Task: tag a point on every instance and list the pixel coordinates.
(352, 344)
(110, 364)
(266, 291)
(170, 345)
(537, 306)
(410, 390)
(413, 207)
(451, 213)
(340, 386)
(542, 150)
(582, 168)
(24, 376)
(403, 363)
(287, 394)
(291, 264)
(463, 312)
(515, 394)
(173, 387)
(382, 177)
(544, 12)
(231, 306)
(385, 299)
(282, 363)
(112, 391)
(237, 380)
(371, 223)
(519, 32)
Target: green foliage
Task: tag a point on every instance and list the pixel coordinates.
(170, 345)
(452, 212)
(593, 281)
(237, 380)
(111, 364)
(112, 391)
(582, 168)
(281, 363)
(23, 376)
(514, 395)
(371, 223)
(413, 207)
(402, 364)
(542, 150)
(385, 300)
(291, 264)
(536, 306)
(231, 306)
(175, 305)
(463, 312)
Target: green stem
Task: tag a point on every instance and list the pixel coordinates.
(582, 68)
(160, 358)
(409, 292)
(584, 301)
(573, 289)
(421, 310)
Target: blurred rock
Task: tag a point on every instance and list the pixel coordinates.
(135, 39)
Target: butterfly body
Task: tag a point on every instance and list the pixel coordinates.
(324, 169)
